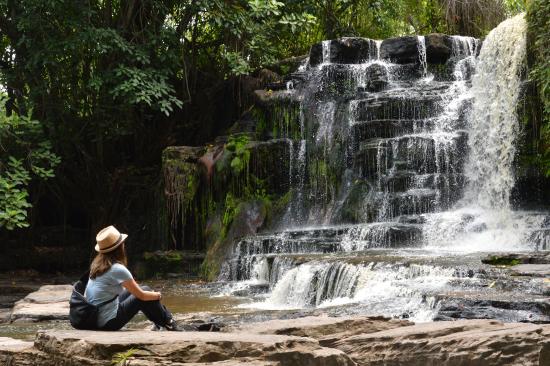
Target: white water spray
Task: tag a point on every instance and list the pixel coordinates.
(483, 219)
(493, 121)
(422, 55)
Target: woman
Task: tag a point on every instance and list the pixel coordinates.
(111, 280)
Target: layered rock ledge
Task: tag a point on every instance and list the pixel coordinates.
(308, 341)
(49, 302)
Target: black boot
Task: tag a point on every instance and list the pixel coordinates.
(173, 326)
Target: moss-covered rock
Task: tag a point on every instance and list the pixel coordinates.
(162, 263)
(501, 261)
(513, 259)
(243, 219)
(352, 210)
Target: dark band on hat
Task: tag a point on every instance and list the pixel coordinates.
(113, 245)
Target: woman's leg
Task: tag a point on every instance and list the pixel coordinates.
(129, 306)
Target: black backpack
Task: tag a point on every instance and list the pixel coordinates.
(82, 314)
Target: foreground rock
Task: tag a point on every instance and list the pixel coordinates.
(49, 302)
(309, 341)
(464, 342)
(158, 348)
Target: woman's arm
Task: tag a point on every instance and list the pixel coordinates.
(134, 289)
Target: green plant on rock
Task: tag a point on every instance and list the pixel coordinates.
(26, 156)
(238, 145)
(123, 358)
(538, 27)
(231, 205)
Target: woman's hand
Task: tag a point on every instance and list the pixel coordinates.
(134, 289)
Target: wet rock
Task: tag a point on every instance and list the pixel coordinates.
(271, 96)
(400, 50)
(463, 342)
(351, 50)
(412, 219)
(439, 48)
(535, 270)
(249, 216)
(377, 78)
(49, 302)
(268, 76)
(513, 310)
(316, 54)
(511, 259)
(270, 162)
(346, 50)
(353, 208)
(247, 124)
(182, 177)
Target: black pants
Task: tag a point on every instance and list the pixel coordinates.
(129, 306)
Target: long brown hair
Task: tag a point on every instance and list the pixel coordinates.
(103, 261)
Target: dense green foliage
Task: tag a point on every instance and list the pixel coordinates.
(538, 20)
(26, 157)
(113, 82)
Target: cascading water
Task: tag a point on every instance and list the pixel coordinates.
(493, 125)
(398, 164)
(483, 219)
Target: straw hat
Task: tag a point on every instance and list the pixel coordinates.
(109, 239)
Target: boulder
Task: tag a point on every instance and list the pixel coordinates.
(439, 48)
(351, 50)
(346, 50)
(377, 78)
(463, 342)
(49, 302)
(400, 50)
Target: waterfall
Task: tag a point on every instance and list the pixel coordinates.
(483, 219)
(493, 125)
(326, 52)
(320, 284)
(422, 55)
(394, 169)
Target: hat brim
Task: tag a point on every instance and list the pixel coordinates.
(97, 249)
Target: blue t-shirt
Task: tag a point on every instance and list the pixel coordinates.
(104, 288)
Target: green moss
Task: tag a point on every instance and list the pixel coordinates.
(238, 146)
(280, 118)
(538, 111)
(352, 208)
(501, 261)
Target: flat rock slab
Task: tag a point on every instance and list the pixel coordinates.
(323, 341)
(49, 302)
(463, 342)
(21, 353)
(324, 328)
(535, 270)
(74, 347)
(7, 343)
